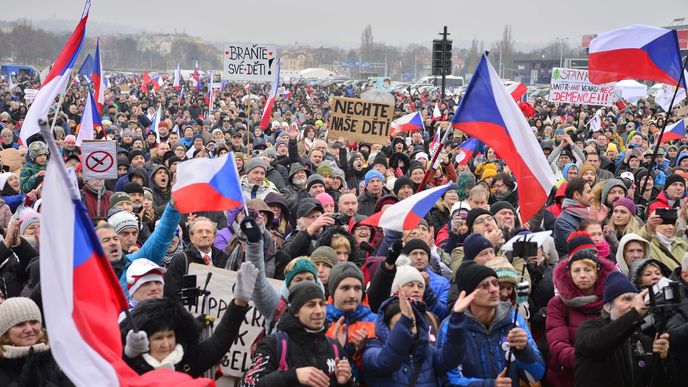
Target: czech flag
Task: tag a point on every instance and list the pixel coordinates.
(407, 123)
(406, 214)
(157, 82)
(90, 121)
(435, 143)
(177, 77)
(517, 90)
(270, 102)
(636, 52)
(208, 185)
(467, 149)
(196, 77)
(82, 298)
(155, 123)
(489, 113)
(57, 80)
(98, 79)
(677, 131)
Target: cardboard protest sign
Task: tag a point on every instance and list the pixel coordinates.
(666, 93)
(30, 94)
(249, 62)
(573, 86)
(99, 159)
(360, 120)
(221, 287)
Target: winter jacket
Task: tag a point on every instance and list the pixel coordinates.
(553, 159)
(662, 201)
(606, 354)
(299, 243)
(252, 191)
(484, 354)
(97, 203)
(304, 349)
(366, 203)
(179, 266)
(26, 176)
(13, 201)
(565, 224)
(155, 247)
(35, 369)
(671, 258)
(137, 171)
(566, 311)
(391, 359)
(5, 215)
(13, 264)
(678, 334)
(438, 216)
(199, 356)
(360, 319)
(620, 262)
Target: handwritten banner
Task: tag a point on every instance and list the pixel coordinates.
(221, 287)
(573, 86)
(360, 120)
(249, 62)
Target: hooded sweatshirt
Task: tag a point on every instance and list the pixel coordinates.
(620, 262)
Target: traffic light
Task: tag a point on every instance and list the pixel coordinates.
(441, 57)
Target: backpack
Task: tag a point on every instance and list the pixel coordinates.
(281, 307)
(283, 339)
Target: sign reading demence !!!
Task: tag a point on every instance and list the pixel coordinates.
(573, 86)
(360, 120)
(249, 62)
(221, 286)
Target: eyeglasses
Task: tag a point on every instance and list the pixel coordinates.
(363, 229)
(483, 220)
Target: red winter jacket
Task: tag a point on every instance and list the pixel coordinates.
(563, 321)
(95, 207)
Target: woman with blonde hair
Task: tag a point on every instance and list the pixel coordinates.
(623, 220)
(25, 356)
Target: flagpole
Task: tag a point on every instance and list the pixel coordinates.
(432, 163)
(661, 132)
(59, 103)
(248, 116)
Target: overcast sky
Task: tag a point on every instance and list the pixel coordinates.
(321, 22)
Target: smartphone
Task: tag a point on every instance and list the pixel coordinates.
(668, 215)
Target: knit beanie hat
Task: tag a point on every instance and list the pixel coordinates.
(585, 168)
(488, 173)
(142, 271)
(122, 220)
(415, 165)
(15, 310)
(133, 187)
(405, 274)
(324, 254)
(325, 199)
(4, 177)
(674, 178)
(119, 197)
(505, 270)
(473, 214)
(379, 159)
(297, 266)
(579, 240)
(415, 244)
(587, 255)
(628, 203)
(324, 170)
(303, 292)
(254, 163)
(314, 179)
(373, 174)
(136, 152)
(470, 274)
(615, 285)
(28, 218)
(473, 245)
(341, 271)
(400, 182)
(500, 205)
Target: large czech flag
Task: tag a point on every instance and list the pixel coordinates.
(489, 113)
(81, 295)
(57, 80)
(90, 121)
(636, 52)
(208, 185)
(406, 214)
(98, 80)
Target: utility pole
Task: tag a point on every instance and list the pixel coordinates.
(441, 58)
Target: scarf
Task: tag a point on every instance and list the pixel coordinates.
(602, 249)
(574, 208)
(169, 362)
(665, 241)
(12, 352)
(591, 301)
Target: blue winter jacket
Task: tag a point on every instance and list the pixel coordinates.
(157, 243)
(391, 358)
(440, 286)
(485, 354)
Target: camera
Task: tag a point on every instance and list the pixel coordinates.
(663, 299)
(190, 291)
(668, 215)
(339, 219)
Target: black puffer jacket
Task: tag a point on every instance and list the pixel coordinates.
(36, 369)
(13, 263)
(154, 315)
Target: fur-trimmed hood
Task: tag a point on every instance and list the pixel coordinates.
(564, 284)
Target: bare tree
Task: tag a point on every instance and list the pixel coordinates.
(367, 43)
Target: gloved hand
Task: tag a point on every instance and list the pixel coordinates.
(246, 281)
(137, 343)
(393, 252)
(250, 229)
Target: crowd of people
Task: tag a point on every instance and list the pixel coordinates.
(448, 302)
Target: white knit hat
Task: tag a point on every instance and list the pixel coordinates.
(142, 271)
(405, 274)
(16, 310)
(122, 220)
